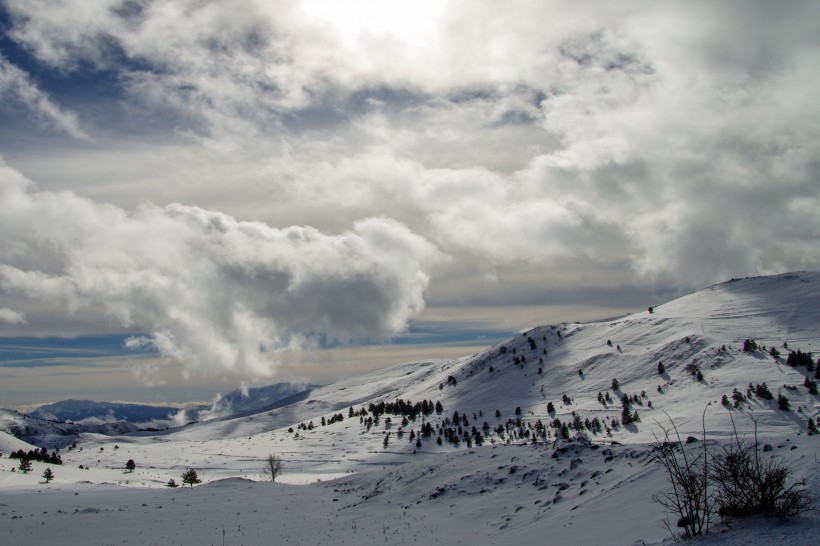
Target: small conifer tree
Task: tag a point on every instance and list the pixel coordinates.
(48, 475)
(130, 465)
(190, 477)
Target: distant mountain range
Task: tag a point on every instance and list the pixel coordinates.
(118, 417)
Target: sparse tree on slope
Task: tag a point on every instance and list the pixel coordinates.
(130, 465)
(273, 466)
(48, 475)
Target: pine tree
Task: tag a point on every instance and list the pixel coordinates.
(25, 466)
(171, 483)
(130, 465)
(48, 475)
(190, 477)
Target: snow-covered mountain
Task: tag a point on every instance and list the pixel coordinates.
(249, 400)
(91, 411)
(51, 433)
(235, 402)
(510, 477)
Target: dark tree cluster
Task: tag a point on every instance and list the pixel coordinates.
(338, 417)
(604, 398)
(749, 345)
(562, 429)
(456, 435)
(761, 391)
(628, 417)
(737, 397)
(405, 408)
(40, 455)
(518, 429)
(694, 369)
(799, 358)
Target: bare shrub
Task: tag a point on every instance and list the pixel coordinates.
(734, 481)
(688, 471)
(747, 485)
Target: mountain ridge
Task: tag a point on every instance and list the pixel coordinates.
(494, 465)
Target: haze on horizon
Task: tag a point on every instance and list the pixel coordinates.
(230, 186)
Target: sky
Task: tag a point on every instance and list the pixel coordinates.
(251, 191)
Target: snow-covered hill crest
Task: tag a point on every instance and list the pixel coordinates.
(553, 425)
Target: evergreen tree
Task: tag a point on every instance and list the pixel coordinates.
(130, 465)
(661, 368)
(189, 477)
(762, 391)
(48, 475)
(171, 483)
(564, 431)
(25, 466)
(615, 384)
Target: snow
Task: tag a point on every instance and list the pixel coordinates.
(341, 482)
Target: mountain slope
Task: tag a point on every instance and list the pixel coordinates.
(523, 483)
(578, 363)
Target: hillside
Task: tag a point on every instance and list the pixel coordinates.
(510, 479)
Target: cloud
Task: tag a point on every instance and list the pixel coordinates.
(553, 144)
(215, 293)
(17, 88)
(10, 316)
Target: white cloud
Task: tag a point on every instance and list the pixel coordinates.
(215, 293)
(17, 88)
(653, 142)
(11, 316)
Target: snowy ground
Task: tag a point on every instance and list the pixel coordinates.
(343, 483)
